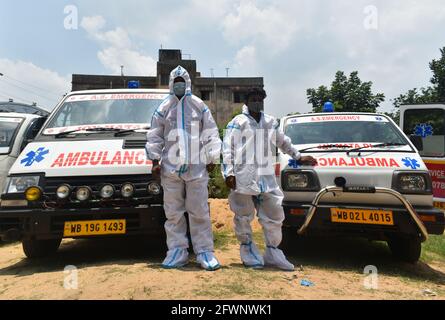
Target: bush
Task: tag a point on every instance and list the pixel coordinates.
(217, 184)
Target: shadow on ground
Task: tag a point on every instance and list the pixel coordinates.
(354, 255)
(93, 252)
(325, 253)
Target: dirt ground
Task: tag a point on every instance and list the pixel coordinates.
(130, 269)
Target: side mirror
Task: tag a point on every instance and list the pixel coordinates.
(417, 142)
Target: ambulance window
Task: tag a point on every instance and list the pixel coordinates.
(8, 130)
(344, 132)
(430, 125)
(108, 111)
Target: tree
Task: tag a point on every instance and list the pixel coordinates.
(347, 94)
(438, 79)
(435, 93)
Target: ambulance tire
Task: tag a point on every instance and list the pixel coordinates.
(406, 249)
(40, 248)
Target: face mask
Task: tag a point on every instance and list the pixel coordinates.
(256, 106)
(179, 88)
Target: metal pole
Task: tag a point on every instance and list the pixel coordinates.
(215, 102)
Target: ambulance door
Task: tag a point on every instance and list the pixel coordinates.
(427, 124)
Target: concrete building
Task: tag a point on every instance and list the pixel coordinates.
(223, 95)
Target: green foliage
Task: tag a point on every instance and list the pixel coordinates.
(394, 115)
(415, 96)
(217, 184)
(435, 93)
(347, 94)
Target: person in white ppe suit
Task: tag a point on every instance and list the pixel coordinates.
(183, 143)
(248, 168)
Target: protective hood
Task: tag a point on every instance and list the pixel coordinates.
(180, 72)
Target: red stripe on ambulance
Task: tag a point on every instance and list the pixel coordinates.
(100, 158)
(358, 162)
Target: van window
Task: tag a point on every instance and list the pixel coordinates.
(34, 127)
(430, 125)
(8, 130)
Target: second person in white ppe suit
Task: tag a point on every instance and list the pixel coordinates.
(183, 143)
(248, 167)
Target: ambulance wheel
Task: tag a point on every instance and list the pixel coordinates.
(406, 249)
(40, 248)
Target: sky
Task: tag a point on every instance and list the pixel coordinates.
(293, 44)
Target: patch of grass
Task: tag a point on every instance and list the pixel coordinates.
(258, 238)
(223, 238)
(228, 289)
(242, 282)
(116, 270)
(434, 249)
(147, 290)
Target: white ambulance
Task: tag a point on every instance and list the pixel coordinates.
(370, 182)
(86, 173)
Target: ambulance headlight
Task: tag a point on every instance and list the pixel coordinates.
(63, 191)
(412, 182)
(127, 190)
(301, 180)
(83, 193)
(20, 184)
(33, 193)
(107, 191)
(154, 188)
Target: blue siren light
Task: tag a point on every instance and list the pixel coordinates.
(133, 84)
(328, 107)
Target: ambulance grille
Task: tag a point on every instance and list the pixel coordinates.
(140, 183)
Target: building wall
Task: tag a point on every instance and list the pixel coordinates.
(229, 95)
(91, 82)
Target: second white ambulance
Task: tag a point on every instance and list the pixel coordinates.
(370, 182)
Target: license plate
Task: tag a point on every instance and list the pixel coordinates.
(361, 216)
(94, 228)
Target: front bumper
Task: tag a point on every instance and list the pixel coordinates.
(40, 224)
(315, 218)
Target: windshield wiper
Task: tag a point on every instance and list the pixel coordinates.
(100, 129)
(327, 146)
(64, 133)
(60, 134)
(118, 133)
(386, 144)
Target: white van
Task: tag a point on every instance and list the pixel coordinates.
(86, 173)
(16, 130)
(370, 182)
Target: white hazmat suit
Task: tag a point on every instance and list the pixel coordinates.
(184, 137)
(245, 143)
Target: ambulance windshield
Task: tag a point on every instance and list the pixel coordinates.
(123, 111)
(361, 129)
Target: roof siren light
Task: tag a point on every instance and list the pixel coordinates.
(328, 107)
(133, 84)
